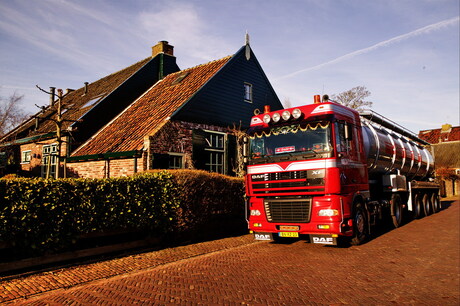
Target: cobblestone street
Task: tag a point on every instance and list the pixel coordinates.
(415, 264)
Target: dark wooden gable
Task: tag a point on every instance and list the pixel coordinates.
(122, 96)
(221, 100)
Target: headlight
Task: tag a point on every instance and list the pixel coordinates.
(255, 212)
(328, 212)
(286, 115)
(276, 117)
(267, 118)
(296, 113)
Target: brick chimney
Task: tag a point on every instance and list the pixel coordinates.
(162, 47)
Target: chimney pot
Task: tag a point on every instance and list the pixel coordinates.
(162, 47)
(86, 88)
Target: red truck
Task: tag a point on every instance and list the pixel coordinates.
(329, 174)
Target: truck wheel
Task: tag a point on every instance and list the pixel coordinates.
(435, 203)
(426, 204)
(396, 210)
(417, 209)
(360, 225)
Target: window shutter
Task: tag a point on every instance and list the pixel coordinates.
(199, 144)
(231, 154)
(160, 161)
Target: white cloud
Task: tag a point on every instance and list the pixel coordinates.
(425, 30)
(184, 27)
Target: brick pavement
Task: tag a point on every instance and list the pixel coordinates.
(415, 264)
(13, 289)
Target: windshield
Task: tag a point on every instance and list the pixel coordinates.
(313, 138)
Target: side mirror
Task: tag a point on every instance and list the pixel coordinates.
(245, 149)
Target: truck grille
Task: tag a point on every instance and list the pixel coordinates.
(288, 182)
(288, 210)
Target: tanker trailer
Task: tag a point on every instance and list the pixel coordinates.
(327, 173)
(400, 168)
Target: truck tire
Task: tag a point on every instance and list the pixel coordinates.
(436, 204)
(360, 225)
(417, 209)
(426, 204)
(396, 210)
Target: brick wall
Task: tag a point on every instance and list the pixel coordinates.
(106, 168)
(32, 168)
(176, 137)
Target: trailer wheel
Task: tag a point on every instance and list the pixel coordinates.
(396, 210)
(426, 204)
(360, 225)
(435, 203)
(417, 209)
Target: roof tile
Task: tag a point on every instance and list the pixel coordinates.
(75, 103)
(148, 113)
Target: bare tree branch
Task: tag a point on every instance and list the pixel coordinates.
(11, 113)
(354, 98)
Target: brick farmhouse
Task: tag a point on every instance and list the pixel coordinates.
(150, 115)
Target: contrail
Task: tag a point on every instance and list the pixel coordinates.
(424, 30)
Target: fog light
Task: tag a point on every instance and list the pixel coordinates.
(257, 224)
(328, 212)
(324, 226)
(255, 212)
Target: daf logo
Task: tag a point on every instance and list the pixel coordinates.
(258, 176)
(323, 240)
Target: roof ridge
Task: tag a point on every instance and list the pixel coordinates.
(123, 69)
(201, 65)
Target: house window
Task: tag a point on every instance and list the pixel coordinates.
(25, 157)
(49, 161)
(180, 78)
(215, 150)
(176, 161)
(248, 92)
(209, 151)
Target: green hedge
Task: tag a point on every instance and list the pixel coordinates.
(206, 197)
(41, 216)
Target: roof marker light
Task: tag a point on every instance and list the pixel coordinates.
(286, 115)
(267, 118)
(296, 113)
(276, 117)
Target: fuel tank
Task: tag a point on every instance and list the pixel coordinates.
(388, 152)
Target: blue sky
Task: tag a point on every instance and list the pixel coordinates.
(406, 52)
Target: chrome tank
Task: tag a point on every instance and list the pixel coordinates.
(388, 152)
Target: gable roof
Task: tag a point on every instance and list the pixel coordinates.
(150, 111)
(223, 102)
(75, 104)
(445, 134)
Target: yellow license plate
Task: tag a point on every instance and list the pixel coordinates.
(289, 234)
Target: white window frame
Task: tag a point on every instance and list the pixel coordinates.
(217, 154)
(26, 158)
(49, 154)
(248, 97)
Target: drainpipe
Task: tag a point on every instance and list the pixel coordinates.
(161, 67)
